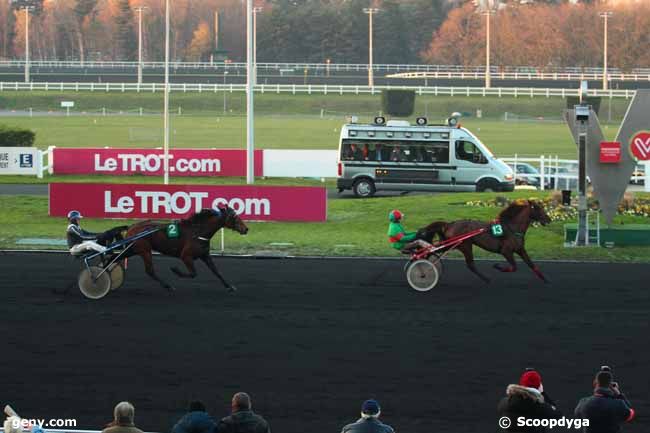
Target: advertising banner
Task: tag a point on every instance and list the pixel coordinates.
(182, 162)
(268, 203)
(19, 160)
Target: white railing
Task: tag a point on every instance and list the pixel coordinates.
(325, 89)
(321, 66)
(530, 76)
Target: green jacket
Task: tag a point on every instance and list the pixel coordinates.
(398, 237)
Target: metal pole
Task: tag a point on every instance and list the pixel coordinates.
(166, 97)
(371, 75)
(488, 75)
(250, 121)
(582, 234)
(605, 16)
(140, 9)
(27, 9)
(256, 10)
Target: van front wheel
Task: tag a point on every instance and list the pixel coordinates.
(364, 188)
(487, 185)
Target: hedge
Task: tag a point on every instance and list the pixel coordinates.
(16, 137)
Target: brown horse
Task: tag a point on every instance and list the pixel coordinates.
(193, 241)
(515, 220)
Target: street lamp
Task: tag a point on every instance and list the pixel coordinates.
(605, 16)
(371, 78)
(488, 76)
(250, 139)
(166, 97)
(140, 9)
(27, 10)
(256, 10)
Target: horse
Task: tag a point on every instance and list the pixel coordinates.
(193, 242)
(514, 220)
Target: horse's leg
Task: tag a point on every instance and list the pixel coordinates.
(466, 249)
(524, 256)
(210, 264)
(147, 258)
(188, 260)
(510, 257)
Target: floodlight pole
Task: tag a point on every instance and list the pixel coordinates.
(166, 97)
(140, 9)
(605, 16)
(371, 76)
(256, 10)
(250, 121)
(27, 10)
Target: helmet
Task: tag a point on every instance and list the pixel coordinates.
(395, 215)
(74, 214)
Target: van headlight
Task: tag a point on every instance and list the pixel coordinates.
(508, 177)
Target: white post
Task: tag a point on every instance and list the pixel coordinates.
(39, 164)
(488, 78)
(256, 10)
(250, 121)
(166, 97)
(50, 159)
(541, 173)
(140, 9)
(223, 240)
(27, 9)
(515, 169)
(557, 172)
(605, 16)
(647, 177)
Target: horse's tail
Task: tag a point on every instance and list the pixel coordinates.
(435, 228)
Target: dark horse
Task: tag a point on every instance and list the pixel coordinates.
(193, 241)
(515, 220)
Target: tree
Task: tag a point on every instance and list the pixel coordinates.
(125, 38)
(201, 42)
(82, 9)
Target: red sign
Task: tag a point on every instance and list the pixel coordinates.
(182, 162)
(610, 152)
(268, 203)
(640, 146)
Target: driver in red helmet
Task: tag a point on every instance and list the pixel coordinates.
(399, 238)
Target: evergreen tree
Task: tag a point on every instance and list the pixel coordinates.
(126, 44)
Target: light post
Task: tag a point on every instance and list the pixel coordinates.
(166, 97)
(488, 76)
(27, 10)
(250, 139)
(140, 9)
(256, 10)
(605, 16)
(371, 77)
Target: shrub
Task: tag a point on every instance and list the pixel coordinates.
(16, 137)
(398, 102)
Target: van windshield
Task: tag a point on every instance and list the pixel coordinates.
(481, 144)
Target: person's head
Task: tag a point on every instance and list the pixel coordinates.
(241, 401)
(531, 379)
(603, 379)
(395, 216)
(370, 409)
(74, 216)
(124, 413)
(196, 406)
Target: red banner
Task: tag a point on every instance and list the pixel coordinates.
(268, 203)
(610, 152)
(182, 162)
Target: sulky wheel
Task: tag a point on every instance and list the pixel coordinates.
(423, 275)
(94, 283)
(118, 275)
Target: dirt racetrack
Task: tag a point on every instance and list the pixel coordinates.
(311, 339)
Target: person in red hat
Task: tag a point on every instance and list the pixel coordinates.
(527, 399)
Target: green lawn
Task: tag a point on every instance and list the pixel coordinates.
(295, 132)
(354, 227)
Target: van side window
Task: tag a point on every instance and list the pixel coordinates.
(437, 152)
(467, 151)
(353, 150)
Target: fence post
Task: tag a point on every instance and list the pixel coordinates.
(557, 172)
(50, 159)
(541, 180)
(104, 111)
(223, 241)
(39, 164)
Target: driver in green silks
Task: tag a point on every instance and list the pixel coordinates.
(399, 238)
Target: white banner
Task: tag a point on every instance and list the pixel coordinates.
(300, 163)
(20, 160)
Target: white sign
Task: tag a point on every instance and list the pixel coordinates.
(20, 160)
(67, 104)
(300, 163)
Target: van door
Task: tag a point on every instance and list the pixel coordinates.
(471, 164)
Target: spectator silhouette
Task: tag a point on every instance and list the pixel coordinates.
(196, 420)
(369, 421)
(242, 419)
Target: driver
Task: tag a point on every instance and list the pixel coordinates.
(79, 240)
(399, 238)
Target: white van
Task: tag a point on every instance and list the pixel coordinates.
(398, 156)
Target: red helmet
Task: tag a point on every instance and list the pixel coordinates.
(395, 216)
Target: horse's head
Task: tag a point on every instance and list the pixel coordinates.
(231, 219)
(537, 213)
